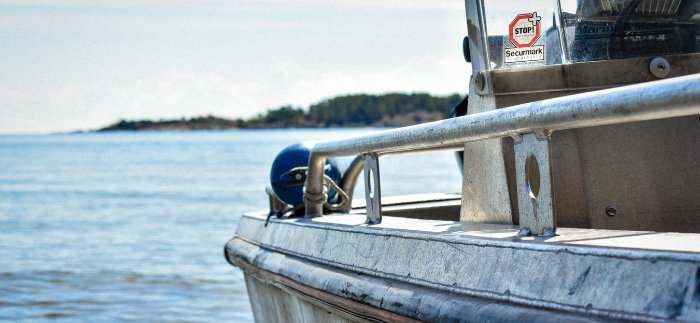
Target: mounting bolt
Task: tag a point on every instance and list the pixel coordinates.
(660, 67)
(480, 81)
(610, 211)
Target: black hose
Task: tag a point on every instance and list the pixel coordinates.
(618, 30)
(460, 109)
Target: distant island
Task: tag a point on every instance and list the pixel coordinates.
(358, 110)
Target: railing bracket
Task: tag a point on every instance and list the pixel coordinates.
(534, 180)
(372, 189)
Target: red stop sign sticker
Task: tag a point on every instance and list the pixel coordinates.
(524, 30)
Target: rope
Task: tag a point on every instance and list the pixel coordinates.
(343, 197)
(322, 197)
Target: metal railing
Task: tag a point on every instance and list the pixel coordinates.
(668, 98)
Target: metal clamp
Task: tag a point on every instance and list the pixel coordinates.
(534, 180)
(372, 189)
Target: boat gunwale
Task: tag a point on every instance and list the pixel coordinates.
(535, 244)
(287, 260)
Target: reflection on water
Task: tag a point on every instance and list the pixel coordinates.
(115, 295)
(131, 226)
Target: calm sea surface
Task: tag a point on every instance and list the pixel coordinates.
(131, 226)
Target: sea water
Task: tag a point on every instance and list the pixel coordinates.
(130, 226)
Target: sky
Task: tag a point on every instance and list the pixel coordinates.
(84, 64)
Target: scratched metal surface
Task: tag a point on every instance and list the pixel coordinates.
(615, 274)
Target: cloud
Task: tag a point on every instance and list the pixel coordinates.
(12, 97)
(437, 75)
(176, 94)
(84, 64)
(190, 15)
(387, 4)
(129, 21)
(217, 4)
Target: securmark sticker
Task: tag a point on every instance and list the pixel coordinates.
(523, 32)
(525, 54)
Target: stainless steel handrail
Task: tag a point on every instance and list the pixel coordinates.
(668, 98)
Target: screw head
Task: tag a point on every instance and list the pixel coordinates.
(659, 67)
(610, 211)
(480, 81)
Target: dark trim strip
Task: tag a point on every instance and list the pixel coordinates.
(382, 299)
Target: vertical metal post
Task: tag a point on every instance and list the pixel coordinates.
(314, 190)
(534, 180)
(485, 196)
(372, 189)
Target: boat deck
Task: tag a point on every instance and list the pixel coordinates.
(582, 273)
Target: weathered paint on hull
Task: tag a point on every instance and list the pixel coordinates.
(276, 297)
(271, 303)
(450, 271)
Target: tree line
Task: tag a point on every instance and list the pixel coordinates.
(391, 109)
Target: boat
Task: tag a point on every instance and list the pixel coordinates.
(580, 147)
